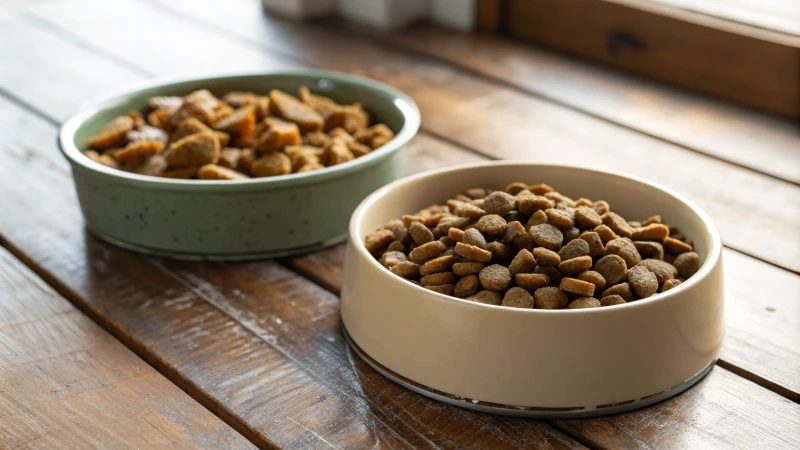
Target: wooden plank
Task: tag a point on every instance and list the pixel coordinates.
(488, 15)
(740, 135)
(783, 377)
(68, 383)
(747, 65)
(698, 418)
(213, 350)
(500, 122)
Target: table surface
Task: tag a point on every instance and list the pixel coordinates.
(101, 346)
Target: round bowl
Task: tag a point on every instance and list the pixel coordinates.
(243, 219)
(529, 362)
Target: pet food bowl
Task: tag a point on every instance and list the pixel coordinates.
(529, 362)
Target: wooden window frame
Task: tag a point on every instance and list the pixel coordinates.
(745, 64)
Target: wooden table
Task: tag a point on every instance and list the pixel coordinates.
(242, 354)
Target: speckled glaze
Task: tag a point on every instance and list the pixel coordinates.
(259, 217)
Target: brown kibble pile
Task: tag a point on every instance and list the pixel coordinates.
(569, 254)
(238, 136)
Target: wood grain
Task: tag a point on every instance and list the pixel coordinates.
(740, 135)
(748, 65)
(500, 122)
(65, 382)
(725, 202)
(225, 356)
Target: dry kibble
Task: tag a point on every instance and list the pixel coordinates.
(663, 270)
(501, 253)
(530, 204)
(487, 297)
(467, 286)
(559, 198)
(617, 224)
(559, 218)
(289, 108)
(622, 289)
(551, 272)
(574, 249)
(595, 278)
(606, 234)
(457, 235)
(467, 268)
(420, 233)
(477, 193)
(540, 189)
(113, 134)
(652, 232)
(524, 262)
(426, 251)
(446, 289)
(476, 247)
(611, 300)
(378, 240)
(392, 258)
(495, 277)
(491, 224)
(601, 207)
(596, 247)
(474, 237)
(516, 187)
(396, 246)
(398, 229)
(549, 298)
(516, 235)
(545, 257)
(435, 265)
(577, 287)
(649, 249)
(499, 203)
(643, 282)
(271, 165)
(675, 246)
(436, 279)
(180, 172)
(469, 210)
(584, 302)
(612, 267)
(517, 297)
(137, 150)
(472, 252)
(651, 220)
(669, 284)
(687, 264)
(194, 150)
(571, 234)
(624, 249)
(538, 218)
(215, 172)
(575, 266)
(406, 269)
(547, 236)
(586, 218)
(531, 281)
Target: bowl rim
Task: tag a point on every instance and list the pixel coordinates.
(712, 259)
(403, 102)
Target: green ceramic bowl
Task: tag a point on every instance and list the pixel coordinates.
(232, 220)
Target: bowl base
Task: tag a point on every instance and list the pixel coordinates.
(231, 257)
(526, 411)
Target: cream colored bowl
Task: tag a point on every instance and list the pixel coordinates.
(538, 363)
